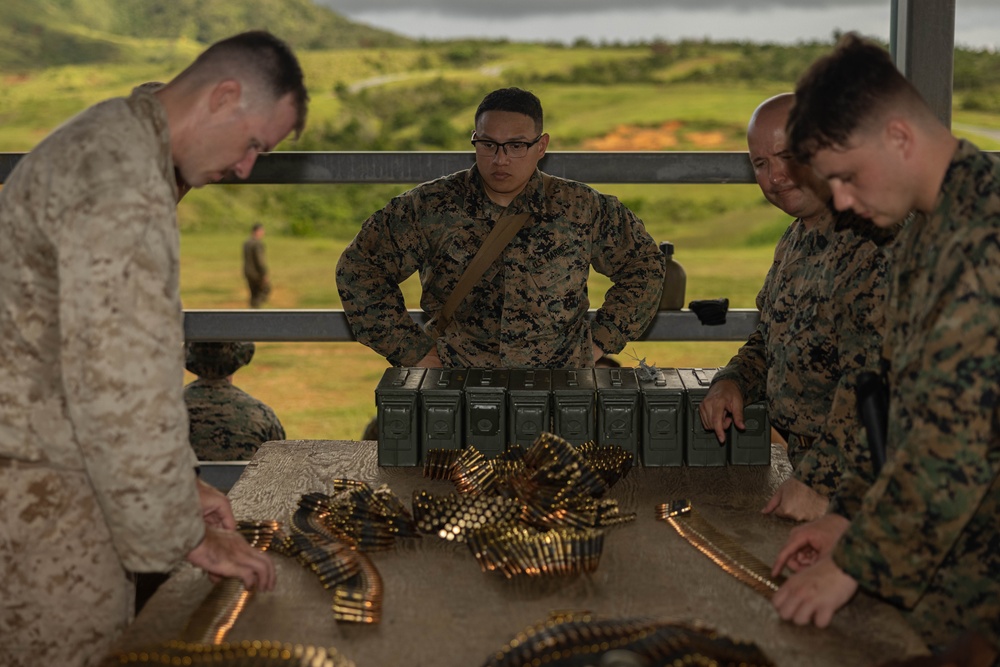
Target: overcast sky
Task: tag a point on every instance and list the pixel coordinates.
(977, 21)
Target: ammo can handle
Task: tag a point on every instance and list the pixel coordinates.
(616, 377)
(571, 379)
(401, 378)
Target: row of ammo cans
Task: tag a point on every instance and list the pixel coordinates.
(652, 415)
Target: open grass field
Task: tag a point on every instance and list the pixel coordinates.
(688, 96)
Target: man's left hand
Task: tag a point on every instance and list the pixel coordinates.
(215, 507)
(814, 594)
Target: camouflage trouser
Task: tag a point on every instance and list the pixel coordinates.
(259, 291)
(64, 596)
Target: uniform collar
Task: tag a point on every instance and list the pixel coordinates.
(147, 107)
(478, 204)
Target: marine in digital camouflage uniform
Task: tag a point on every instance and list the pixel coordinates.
(530, 307)
(821, 314)
(821, 322)
(226, 423)
(926, 535)
(96, 475)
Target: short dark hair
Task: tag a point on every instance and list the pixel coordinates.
(256, 226)
(268, 59)
(514, 100)
(841, 92)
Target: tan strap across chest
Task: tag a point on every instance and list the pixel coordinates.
(503, 231)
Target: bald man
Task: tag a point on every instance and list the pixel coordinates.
(821, 325)
(97, 479)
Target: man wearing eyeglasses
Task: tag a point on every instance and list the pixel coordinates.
(530, 307)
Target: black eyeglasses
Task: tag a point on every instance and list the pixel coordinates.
(489, 148)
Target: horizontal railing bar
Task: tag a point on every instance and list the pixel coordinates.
(315, 167)
(331, 326)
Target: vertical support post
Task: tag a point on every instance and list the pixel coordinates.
(922, 43)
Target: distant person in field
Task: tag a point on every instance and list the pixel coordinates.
(255, 266)
(226, 423)
(530, 306)
(821, 324)
(97, 478)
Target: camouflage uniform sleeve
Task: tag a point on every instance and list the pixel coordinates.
(851, 489)
(947, 453)
(386, 251)
(748, 369)
(626, 253)
(861, 299)
(122, 347)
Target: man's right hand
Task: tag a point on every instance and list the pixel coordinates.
(431, 360)
(224, 553)
(795, 500)
(810, 543)
(721, 407)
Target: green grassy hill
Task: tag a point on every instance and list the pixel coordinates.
(35, 34)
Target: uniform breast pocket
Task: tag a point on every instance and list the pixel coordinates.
(810, 341)
(554, 286)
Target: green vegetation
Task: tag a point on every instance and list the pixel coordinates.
(35, 34)
(372, 90)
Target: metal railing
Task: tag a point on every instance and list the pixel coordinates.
(416, 167)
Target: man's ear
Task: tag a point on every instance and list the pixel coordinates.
(225, 93)
(899, 136)
(543, 144)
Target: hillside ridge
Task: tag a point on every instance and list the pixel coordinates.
(35, 34)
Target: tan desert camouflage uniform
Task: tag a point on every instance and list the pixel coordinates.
(530, 307)
(927, 536)
(96, 474)
(228, 424)
(821, 324)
